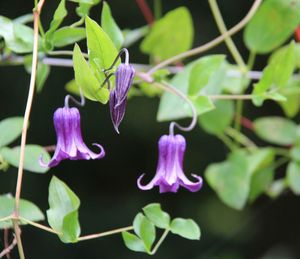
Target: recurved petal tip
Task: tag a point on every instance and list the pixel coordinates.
(144, 187)
(102, 151)
(41, 162)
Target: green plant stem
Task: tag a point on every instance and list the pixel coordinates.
(241, 138)
(210, 44)
(229, 42)
(40, 226)
(281, 151)
(159, 242)
(5, 218)
(251, 60)
(18, 237)
(227, 141)
(280, 162)
(107, 233)
(230, 97)
(157, 9)
(78, 23)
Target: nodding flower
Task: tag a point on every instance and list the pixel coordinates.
(118, 96)
(70, 144)
(169, 174)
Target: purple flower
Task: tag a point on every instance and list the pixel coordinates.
(70, 144)
(169, 174)
(118, 96)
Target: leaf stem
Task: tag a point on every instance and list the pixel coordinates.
(251, 60)
(227, 141)
(210, 44)
(241, 138)
(107, 233)
(40, 226)
(64, 53)
(157, 9)
(6, 218)
(229, 42)
(159, 242)
(146, 11)
(238, 114)
(18, 237)
(78, 23)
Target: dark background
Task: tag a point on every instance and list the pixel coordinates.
(107, 187)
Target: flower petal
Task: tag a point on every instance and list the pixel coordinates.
(191, 186)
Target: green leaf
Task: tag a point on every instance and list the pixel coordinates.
(110, 26)
(273, 23)
(261, 180)
(260, 158)
(10, 130)
(203, 72)
(72, 87)
(133, 243)
(32, 156)
(276, 130)
(170, 35)
(231, 179)
(43, 72)
(18, 37)
(275, 75)
(172, 107)
(145, 230)
(186, 228)
(59, 15)
(295, 153)
(102, 51)
(86, 80)
(231, 83)
(291, 92)
(28, 210)
(63, 212)
(217, 120)
(293, 177)
(157, 216)
(68, 35)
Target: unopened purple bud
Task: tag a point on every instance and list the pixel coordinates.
(118, 96)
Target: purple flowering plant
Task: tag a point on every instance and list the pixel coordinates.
(208, 90)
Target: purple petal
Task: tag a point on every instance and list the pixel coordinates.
(124, 79)
(191, 186)
(116, 112)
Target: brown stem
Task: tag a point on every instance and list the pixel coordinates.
(146, 11)
(8, 249)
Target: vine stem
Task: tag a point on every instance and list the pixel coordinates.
(229, 42)
(40, 226)
(107, 233)
(159, 242)
(36, 20)
(146, 11)
(210, 44)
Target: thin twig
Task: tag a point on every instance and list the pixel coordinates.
(8, 249)
(6, 243)
(210, 44)
(146, 11)
(40, 226)
(107, 233)
(159, 242)
(18, 237)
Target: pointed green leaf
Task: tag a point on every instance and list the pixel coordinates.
(59, 15)
(68, 35)
(145, 230)
(86, 80)
(273, 23)
(157, 216)
(186, 228)
(102, 51)
(133, 243)
(43, 72)
(170, 35)
(63, 212)
(231, 179)
(293, 177)
(32, 156)
(10, 129)
(110, 26)
(276, 130)
(28, 210)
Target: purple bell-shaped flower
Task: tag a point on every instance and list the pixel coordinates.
(169, 174)
(70, 144)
